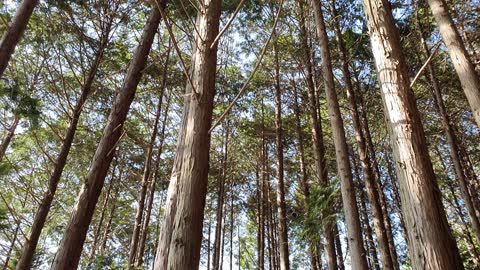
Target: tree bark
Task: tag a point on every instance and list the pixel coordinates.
(44, 208)
(8, 137)
(303, 171)
(10, 248)
(449, 133)
(281, 207)
(220, 201)
(459, 56)
(317, 136)
(14, 32)
(432, 245)
(70, 249)
(372, 191)
(344, 171)
(132, 258)
(102, 215)
(179, 248)
(151, 196)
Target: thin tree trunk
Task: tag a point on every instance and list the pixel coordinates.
(378, 181)
(209, 244)
(231, 225)
(8, 137)
(317, 137)
(372, 191)
(188, 183)
(459, 56)
(367, 229)
(151, 196)
(466, 39)
(147, 171)
(344, 171)
(449, 133)
(281, 207)
(70, 249)
(220, 200)
(460, 218)
(10, 248)
(102, 215)
(108, 226)
(338, 246)
(44, 208)
(432, 245)
(14, 32)
(303, 172)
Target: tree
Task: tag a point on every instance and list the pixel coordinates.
(431, 244)
(14, 32)
(343, 164)
(188, 182)
(70, 249)
(458, 55)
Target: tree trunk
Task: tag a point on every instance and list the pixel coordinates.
(179, 248)
(44, 208)
(102, 215)
(153, 182)
(281, 207)
(459, 56)
(372, 191)
(70, 249)
(303, 171)
(108, 226)
(367, 229)
(10, 248)
(8, 137)
(147, 172)
(463, 32)
(449, 133)
(14, 32)
(317, 137)
(220, 201)
(344, 171)
(338, 246)
(432, 245)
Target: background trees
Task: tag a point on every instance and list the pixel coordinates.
(71, 65)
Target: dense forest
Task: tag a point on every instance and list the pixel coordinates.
(240, 134)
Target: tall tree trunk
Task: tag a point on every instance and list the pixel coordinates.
(209, 244)
(317, 136)
(281, 207)
(460, 217)
(466, 39)
(104, 208)
(459, 55)
(344, 171)
(152, 185)
(432, 245)
(220, 200)
(8, 137)
(231, 224)
(70, 249)
(338, 246)
(14, 32)
(303, 171)
(108, 226)
(11, 247)
(179, 248)
(367, 229)
(376, 173)
(44, 208)
(372, 191)
(147, 171)
(449, 133)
